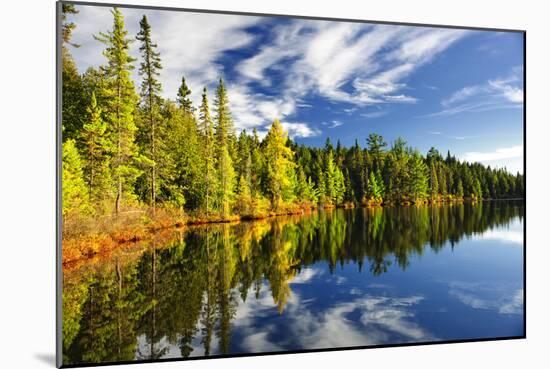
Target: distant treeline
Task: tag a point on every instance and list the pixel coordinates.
(124, 149)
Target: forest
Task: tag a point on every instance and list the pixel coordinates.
(129, 151)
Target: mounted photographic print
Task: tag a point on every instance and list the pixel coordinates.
(242, 184)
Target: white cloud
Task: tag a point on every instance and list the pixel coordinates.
(500, 93)
(374, 114)
(190, 44)
(346, 62)
(335, 123)
(360, 64)
(497, 154)
(300, 129)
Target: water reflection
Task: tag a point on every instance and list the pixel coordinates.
(289, 283)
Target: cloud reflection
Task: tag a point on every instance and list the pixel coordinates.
(364, 320)
(498, 298)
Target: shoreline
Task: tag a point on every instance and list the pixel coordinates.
(90, 246)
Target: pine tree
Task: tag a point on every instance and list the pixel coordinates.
(376, 145)
(120, 106)
(375, 188)
(96, 144)
(206, 127)
(75, 194)
(150, 100)
(329, 175)
(183, 97)
(434, 183)
(339, 187)
(72, 91)
(477, 189)
(459, 188)
(244, 196)
(418, 178)
(223, 132)
(280, 165)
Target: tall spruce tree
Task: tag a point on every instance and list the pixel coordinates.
(150, 99)
(418, 178)
(73, 102)
(183, 98)
(207, 131)
(223, 133)
(121, 99)
(96, 152)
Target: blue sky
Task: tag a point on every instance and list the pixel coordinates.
(456, 90)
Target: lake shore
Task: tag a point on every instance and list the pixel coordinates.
(127, 229)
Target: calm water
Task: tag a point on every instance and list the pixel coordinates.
(330, 279)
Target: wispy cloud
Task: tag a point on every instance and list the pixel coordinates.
(184, 51)
(354, 63)
(497, 154)
(333, 124)
(499, 93)
(374, 114)
(359, 64)
(300, 129)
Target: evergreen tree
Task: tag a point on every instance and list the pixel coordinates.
(376, 145)
(120, 107)
(223, 132)
(329, 175)
(418, 178)
(206, 127)
(459, 188)
(244, 197)
(150, 101)
(280, 165)
(73, 102)
(75, 194)
(375, 187)
(434, 183)
(183, 97)
(96, 144)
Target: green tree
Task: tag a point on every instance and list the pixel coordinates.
(223, 132)
(244, 203)
(97, 158)
(206, 127)
(183, 98)
(418, 178)
(376, 145)
(459, 188)
(280, 165)
(75, 192)
(120, 107)
(375, 187)
(434, 183)
(150, 100)
(73, 100)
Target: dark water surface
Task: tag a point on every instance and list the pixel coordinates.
(329, 279)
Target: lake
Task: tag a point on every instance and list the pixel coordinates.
(340, 278)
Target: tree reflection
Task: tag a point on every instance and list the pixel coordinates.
(184, 294)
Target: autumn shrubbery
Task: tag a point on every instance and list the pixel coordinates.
(85, 235)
